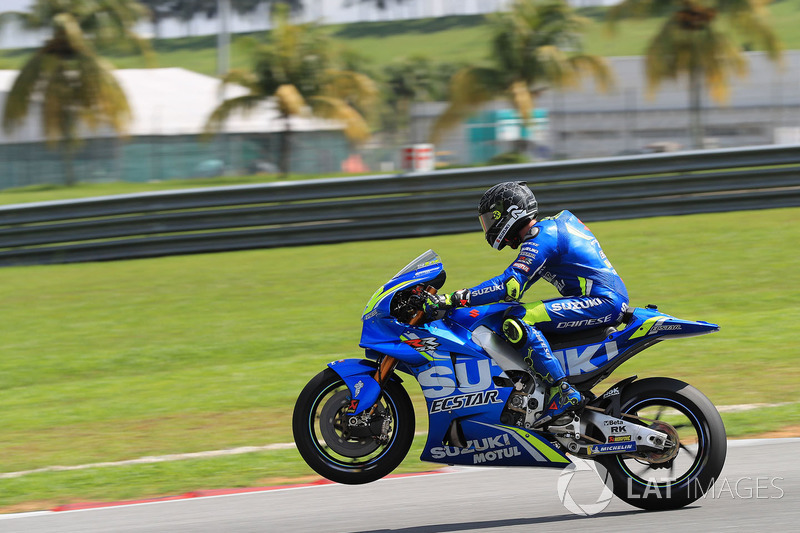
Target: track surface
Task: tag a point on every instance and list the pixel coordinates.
(760, 489)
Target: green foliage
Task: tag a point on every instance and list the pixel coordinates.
(509, 158)
(412, 79)
(693, 38)
(75, 86)
(535, 46)
(692, 42)
(296, 67)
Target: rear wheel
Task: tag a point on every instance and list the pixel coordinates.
(682, 473)
(349, 449)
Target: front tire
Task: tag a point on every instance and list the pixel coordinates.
(324, 439)
(676, 478)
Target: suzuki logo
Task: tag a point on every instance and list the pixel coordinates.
(435, 384)
(581, 363)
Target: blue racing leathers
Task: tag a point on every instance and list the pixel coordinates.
(562, 251)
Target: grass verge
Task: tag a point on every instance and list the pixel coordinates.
(115, 361)
(52, 192)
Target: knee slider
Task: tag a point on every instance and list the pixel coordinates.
(515, 331)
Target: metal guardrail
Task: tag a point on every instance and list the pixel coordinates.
(378, 207)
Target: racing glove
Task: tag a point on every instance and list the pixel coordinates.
(436, 306)
(459, 298)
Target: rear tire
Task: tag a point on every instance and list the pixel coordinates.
(320, 427)
(698, 461)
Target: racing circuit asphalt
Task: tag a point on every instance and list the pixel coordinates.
(759, 490)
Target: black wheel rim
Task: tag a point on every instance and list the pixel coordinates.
(329, 434)
(693, 445)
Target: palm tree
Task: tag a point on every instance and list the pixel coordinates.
(691, 43)
(413, 79)
(66, 77)
(295, 69)
(535, 46)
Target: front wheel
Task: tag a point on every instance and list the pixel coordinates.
(349, 449)
(682, 473)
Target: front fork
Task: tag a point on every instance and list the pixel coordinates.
(385, 369)
(366, 388)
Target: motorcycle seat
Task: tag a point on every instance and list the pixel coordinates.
(560, 341)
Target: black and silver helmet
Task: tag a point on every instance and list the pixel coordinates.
(504, 210)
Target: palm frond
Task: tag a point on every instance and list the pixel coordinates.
(712, 54)
(101, 97)
(554, 67)
(290, 101)
(351, 86)
(753, 24)
(223, 111)
(522, 99)
(23, 90)
(68, 33)
(57, 118)
(596, 67)
(469, 89)
(356, 128)
(245, 78)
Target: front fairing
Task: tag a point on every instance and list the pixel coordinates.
(425, 269)
(416, 345)
(385, 334)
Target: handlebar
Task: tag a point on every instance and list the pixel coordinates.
(420, 316)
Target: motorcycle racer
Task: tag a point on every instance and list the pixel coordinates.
(559, 249)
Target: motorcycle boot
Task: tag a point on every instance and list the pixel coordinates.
(563, 401)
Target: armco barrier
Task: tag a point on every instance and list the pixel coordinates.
(379, 207)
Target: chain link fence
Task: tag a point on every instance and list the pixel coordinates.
(158, 158)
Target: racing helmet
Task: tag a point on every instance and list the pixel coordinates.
(504, 210)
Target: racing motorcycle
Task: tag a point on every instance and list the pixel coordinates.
(661, 441)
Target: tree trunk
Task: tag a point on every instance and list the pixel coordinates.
(695, 109)
(285, 156)
(520, 146)
(68, 156)
(404, 120)
(156, 25)
(69, 145)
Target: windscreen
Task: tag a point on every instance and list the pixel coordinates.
(427, 259)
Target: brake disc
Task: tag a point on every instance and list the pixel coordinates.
(333, 425)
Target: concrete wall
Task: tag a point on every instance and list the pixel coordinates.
(588, 123)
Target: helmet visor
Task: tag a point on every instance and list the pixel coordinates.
(487, 221)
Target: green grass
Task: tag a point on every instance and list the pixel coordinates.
(448, 39)
(119, 360)
(51, 192)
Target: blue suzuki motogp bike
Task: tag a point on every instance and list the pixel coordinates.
(661, 441)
